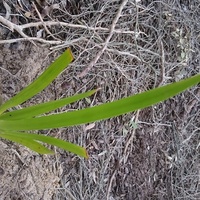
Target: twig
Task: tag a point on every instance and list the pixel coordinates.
(12, 26)
(116, 167)
(52, 23)
(123, 53)
(8, 10)
(67, 43)
(45, 27)
(162, 69)
(20, 28)
(123, 158)
(125, 155)
(30, 39)
(112, 28)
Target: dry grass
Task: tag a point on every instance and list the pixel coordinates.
(142, 46)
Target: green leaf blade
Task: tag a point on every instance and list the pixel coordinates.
(39, 109)
(41, 82)
(103, 111)
(31, 141)
(28, 142)
(73, 148)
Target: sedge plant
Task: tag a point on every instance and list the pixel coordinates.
(15, 125)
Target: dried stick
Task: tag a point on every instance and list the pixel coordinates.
(20, 28)
(31, 39)
(45, 27)
(130, 140)
(122, 159)
(13, 27)
(162, 70)
(52, 23)
(112, 28)
(111, 179)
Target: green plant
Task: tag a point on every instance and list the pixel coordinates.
(13, 124)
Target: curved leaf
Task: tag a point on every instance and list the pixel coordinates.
(103, 111)
(31, 141)
(41, 82)
(35, 110)
(28, 142)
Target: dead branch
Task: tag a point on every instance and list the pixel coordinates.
(20, 28)
(112, 28)
(53, 42)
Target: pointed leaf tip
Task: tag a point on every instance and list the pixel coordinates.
(69, 53)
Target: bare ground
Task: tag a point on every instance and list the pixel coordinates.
(149, 154)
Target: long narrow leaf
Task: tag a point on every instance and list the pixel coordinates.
(26, 138)
(36, 110)
(28, 142)
(41, 82)
(103, 111)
